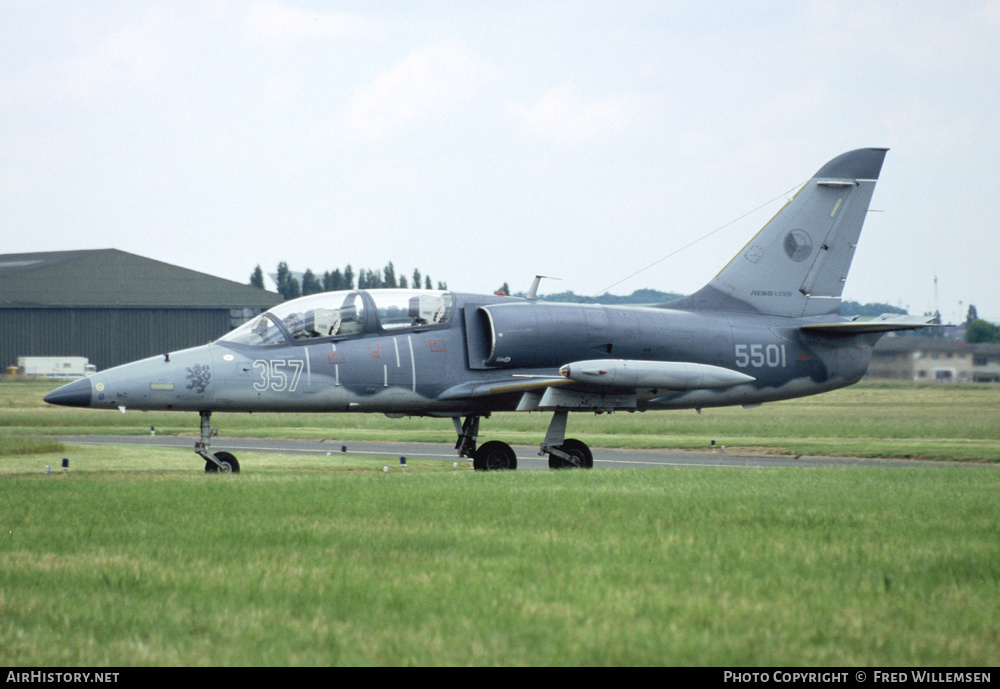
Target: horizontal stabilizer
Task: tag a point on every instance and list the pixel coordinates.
(887, 322)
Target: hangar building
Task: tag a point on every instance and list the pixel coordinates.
(114, 307)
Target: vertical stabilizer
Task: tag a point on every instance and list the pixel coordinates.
(797, 264)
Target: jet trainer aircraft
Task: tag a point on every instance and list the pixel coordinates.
(765, 328)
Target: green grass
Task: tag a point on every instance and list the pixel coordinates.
(23, 445)
(139, 562)
(136, 557)
(960, 422)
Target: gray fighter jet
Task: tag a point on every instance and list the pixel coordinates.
(765, 328)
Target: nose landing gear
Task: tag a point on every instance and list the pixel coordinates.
(220, 462)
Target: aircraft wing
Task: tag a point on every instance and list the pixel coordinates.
(513, 384)
(887, 322)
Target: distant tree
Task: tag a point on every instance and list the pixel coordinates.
(333, 280)
(310, 283)
(390, 275)
(853, 308)
(370, 279)
(982, 331)
(972, 315)
(652, 296)
(503, 289)
(639, 296)
(257, 277)
(288, 286)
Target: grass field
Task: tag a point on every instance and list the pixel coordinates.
(688, 567)
(952, 422)
(142, 559)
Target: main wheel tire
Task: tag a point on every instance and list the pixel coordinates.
(576, 449)
(494, 456)
(226, 458)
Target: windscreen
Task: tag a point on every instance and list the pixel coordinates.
(329, 314)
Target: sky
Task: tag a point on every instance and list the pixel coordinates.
(488, 142)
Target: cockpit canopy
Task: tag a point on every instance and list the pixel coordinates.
(343, 314)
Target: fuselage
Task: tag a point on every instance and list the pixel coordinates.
(415, 352)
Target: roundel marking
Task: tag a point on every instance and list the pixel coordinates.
(798, 245)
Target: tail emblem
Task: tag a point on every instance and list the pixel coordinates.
(798, 245)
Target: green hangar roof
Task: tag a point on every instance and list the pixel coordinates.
(102, 278)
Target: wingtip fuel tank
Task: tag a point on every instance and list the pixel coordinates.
(670, 375)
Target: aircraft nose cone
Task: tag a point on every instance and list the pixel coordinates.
(75, 394)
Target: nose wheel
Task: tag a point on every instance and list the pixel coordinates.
(219, 462)
(224, 462)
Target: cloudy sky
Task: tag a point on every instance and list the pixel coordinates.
(485, 142)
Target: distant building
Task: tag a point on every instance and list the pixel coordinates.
(986, 363)
(114, 307)
(933, 359)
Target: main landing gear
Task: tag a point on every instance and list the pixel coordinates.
(564, 452)
(494, 455)
(220, 462)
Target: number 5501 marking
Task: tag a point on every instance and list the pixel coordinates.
(758, 355)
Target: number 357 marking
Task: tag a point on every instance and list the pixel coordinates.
(758, 355)
(274, 376)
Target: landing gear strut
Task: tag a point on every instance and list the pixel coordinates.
(223, 462)
(467, 434)
(564, 452)
(490, 456)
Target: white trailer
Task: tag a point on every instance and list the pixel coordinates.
(56, 366)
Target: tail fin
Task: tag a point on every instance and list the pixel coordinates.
(797, 264)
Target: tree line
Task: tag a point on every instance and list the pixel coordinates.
(290, 287)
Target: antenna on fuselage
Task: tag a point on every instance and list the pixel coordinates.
(533, 292)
